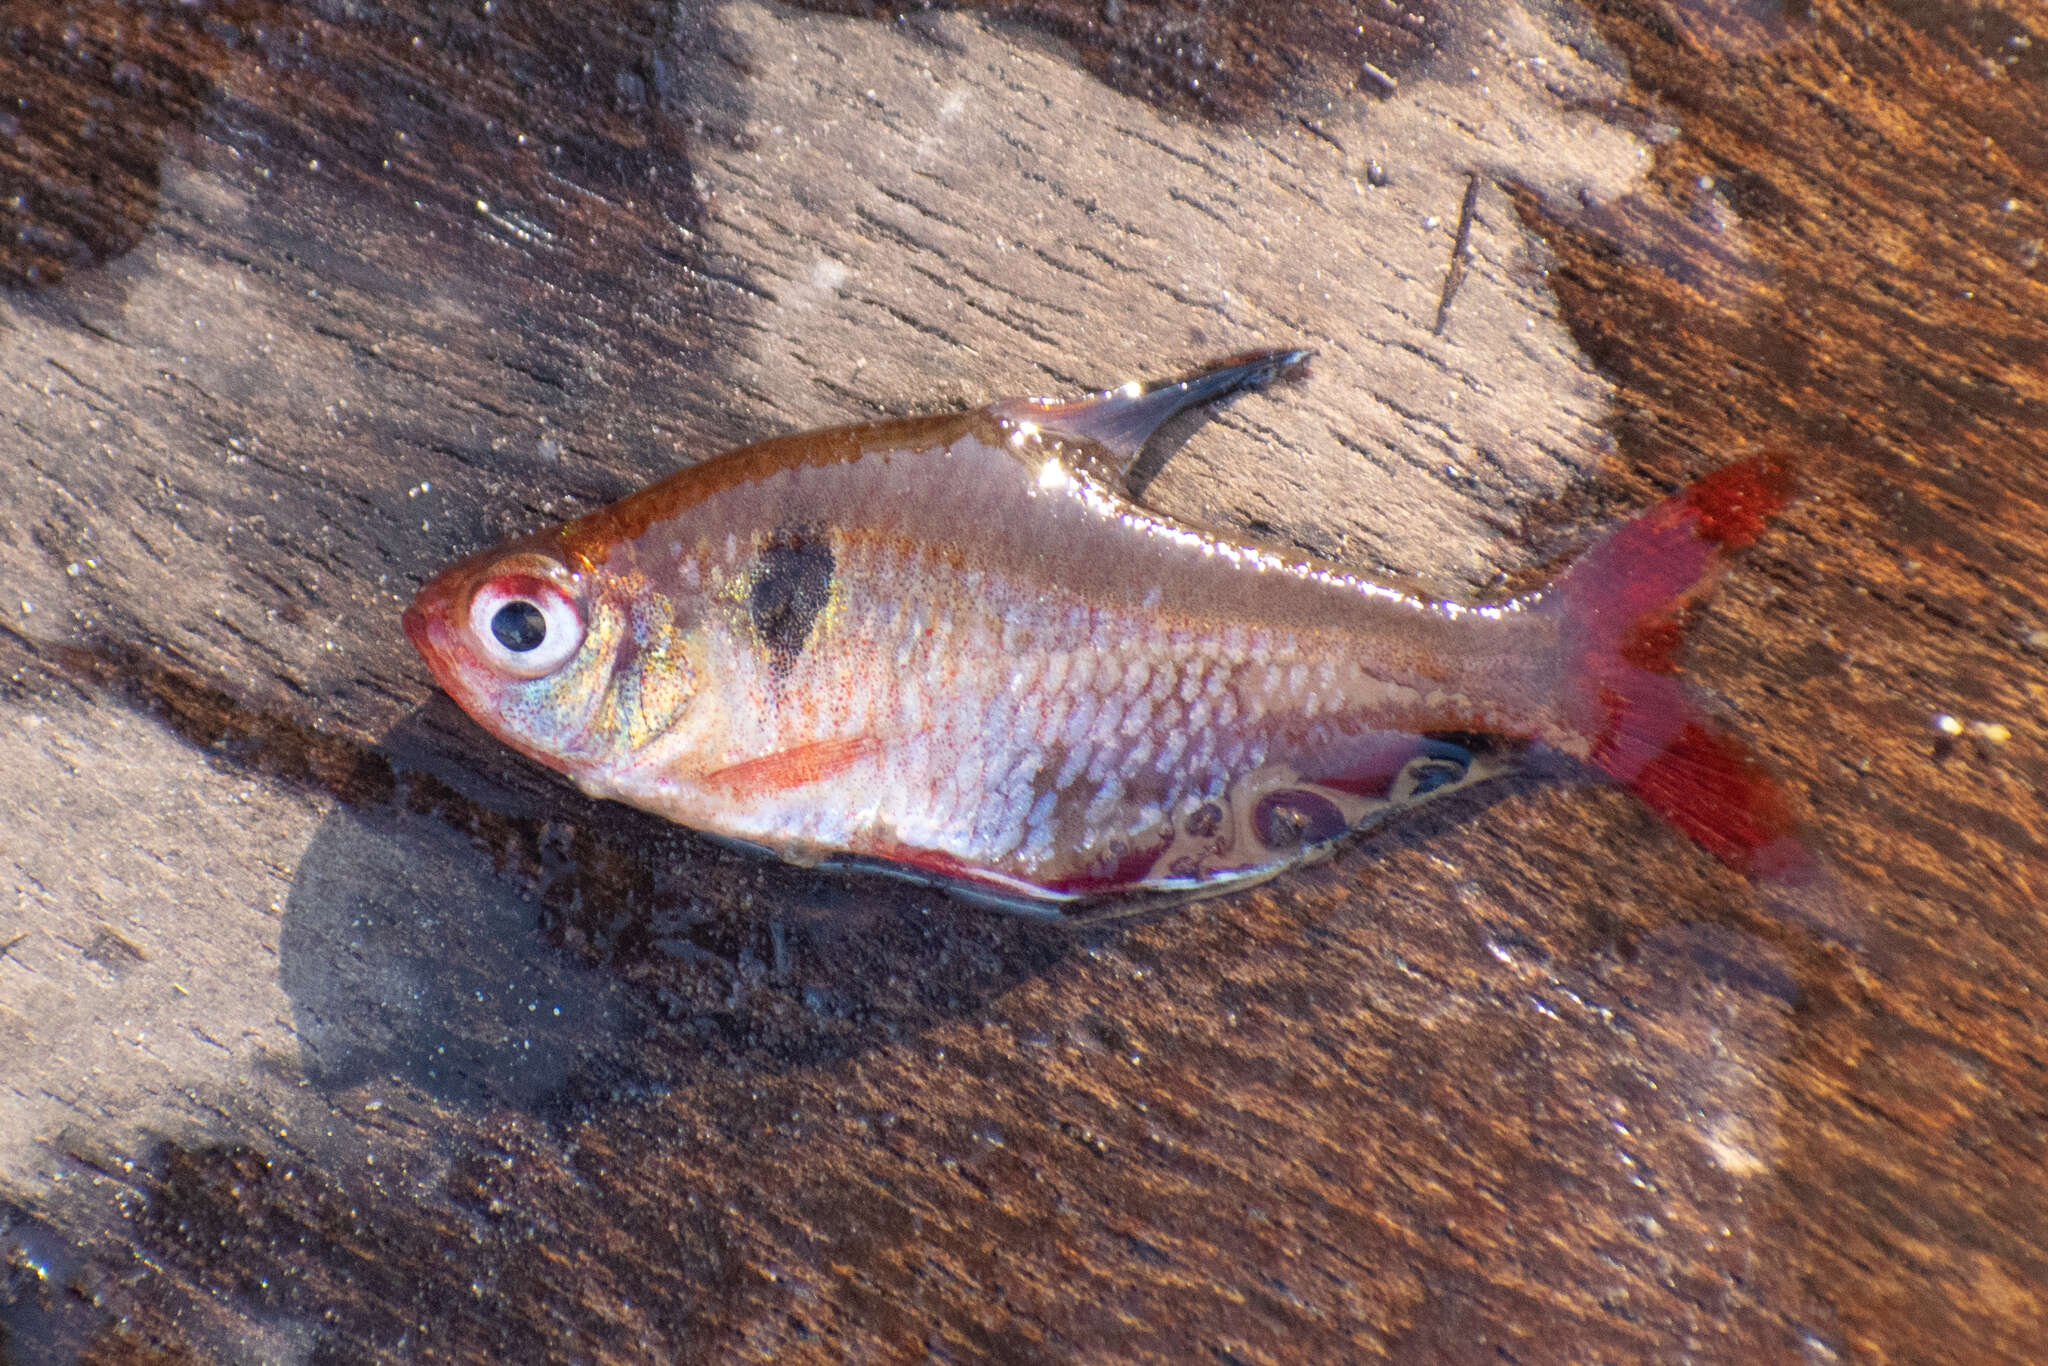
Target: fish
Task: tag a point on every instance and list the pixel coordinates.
(960, 649)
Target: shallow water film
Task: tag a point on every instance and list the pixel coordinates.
(331, 1030)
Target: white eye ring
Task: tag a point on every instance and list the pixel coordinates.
(524, 625)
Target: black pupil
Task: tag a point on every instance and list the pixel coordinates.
(519, 626)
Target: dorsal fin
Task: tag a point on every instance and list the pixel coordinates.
(1122, 419)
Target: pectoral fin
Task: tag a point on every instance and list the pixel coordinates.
(796, 766)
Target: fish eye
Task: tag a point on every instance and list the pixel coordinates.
(525, 625)
(520, 626)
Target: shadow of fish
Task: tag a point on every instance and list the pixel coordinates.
(957, 648)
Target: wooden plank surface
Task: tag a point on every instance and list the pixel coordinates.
(329, 1032)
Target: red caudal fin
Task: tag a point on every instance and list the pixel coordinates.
(1622, 604)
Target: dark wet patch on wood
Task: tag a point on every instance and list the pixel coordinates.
(96, 94)
(1224, 59)
(205, 713)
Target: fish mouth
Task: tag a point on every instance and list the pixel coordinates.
(416, 630)
(424, 628)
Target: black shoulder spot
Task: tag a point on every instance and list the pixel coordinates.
(790, 585)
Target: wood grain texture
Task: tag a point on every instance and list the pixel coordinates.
(333, 1033)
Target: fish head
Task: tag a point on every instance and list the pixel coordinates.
(581, 666)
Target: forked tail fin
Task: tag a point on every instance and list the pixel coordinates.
(1622, 605)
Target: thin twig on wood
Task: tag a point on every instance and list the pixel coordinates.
(1461, 252)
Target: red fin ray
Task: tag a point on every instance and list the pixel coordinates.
(1622, 605)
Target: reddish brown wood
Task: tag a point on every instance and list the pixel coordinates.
(1525, 1079)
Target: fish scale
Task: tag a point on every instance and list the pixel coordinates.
(1163, 686)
